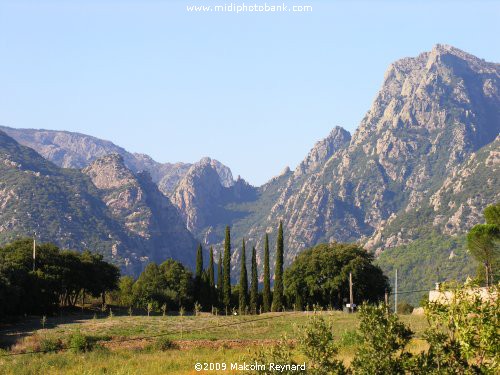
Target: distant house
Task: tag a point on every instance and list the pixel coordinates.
(446, 296)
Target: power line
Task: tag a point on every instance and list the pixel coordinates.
(155, 336)
(413, 291)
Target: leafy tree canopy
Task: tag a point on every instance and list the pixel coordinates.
(320, 275)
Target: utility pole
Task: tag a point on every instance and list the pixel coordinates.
(350, 293)
(34, 250)
(396, 293)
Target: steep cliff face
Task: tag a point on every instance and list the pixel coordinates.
(453, 208)
(202, 199)
(323, 150)
(197, 194)
(135, 201)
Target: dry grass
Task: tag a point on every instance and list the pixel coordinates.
(204, 338)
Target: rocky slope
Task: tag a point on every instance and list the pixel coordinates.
(122, 216)
(75, 150)
(137, 204)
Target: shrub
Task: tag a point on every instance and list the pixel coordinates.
(43, 321)
(405, 308)
(164, 309)
(318, 345)
(80, 343)
(164, 344)
(50, 345)
(197, 308)
(280, 354)
(463, 336)
(385, 339)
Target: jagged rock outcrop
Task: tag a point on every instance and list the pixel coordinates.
(323, 150)
(135, 201)
(201, 197)
(197, 194)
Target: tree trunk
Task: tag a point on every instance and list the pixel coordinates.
(487, 274)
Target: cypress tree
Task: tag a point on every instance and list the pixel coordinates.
(243, 291)
(266, 300)
(219, 280)
(278, 273)
(254, 286)
(211, 277)
(226, 291)
(199, 272)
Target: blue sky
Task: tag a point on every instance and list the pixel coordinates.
(254, 91)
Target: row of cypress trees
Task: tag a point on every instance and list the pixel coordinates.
(210, 293)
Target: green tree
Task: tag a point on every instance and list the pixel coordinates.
(150, 287)
(125, 287)
(243, 286)
(220, 280)
(254, 285)
(320, 275)
(492, 214)
(226, 292)
(211, 277)
(178, 283)
(278, 273)
(266, 295)
(483, 243)
(61, 277)
(199, 272)
(105, 275)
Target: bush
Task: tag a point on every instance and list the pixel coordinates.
(164, 344)
(463, 336)
(405, 308)
(384, 342)
(50, 345)
(80, 343)
(316, 346)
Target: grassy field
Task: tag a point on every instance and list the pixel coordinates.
(127, 341)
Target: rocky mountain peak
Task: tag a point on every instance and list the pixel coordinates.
(337, 139)
(225, 174)
(109, 172)
(196, 192)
